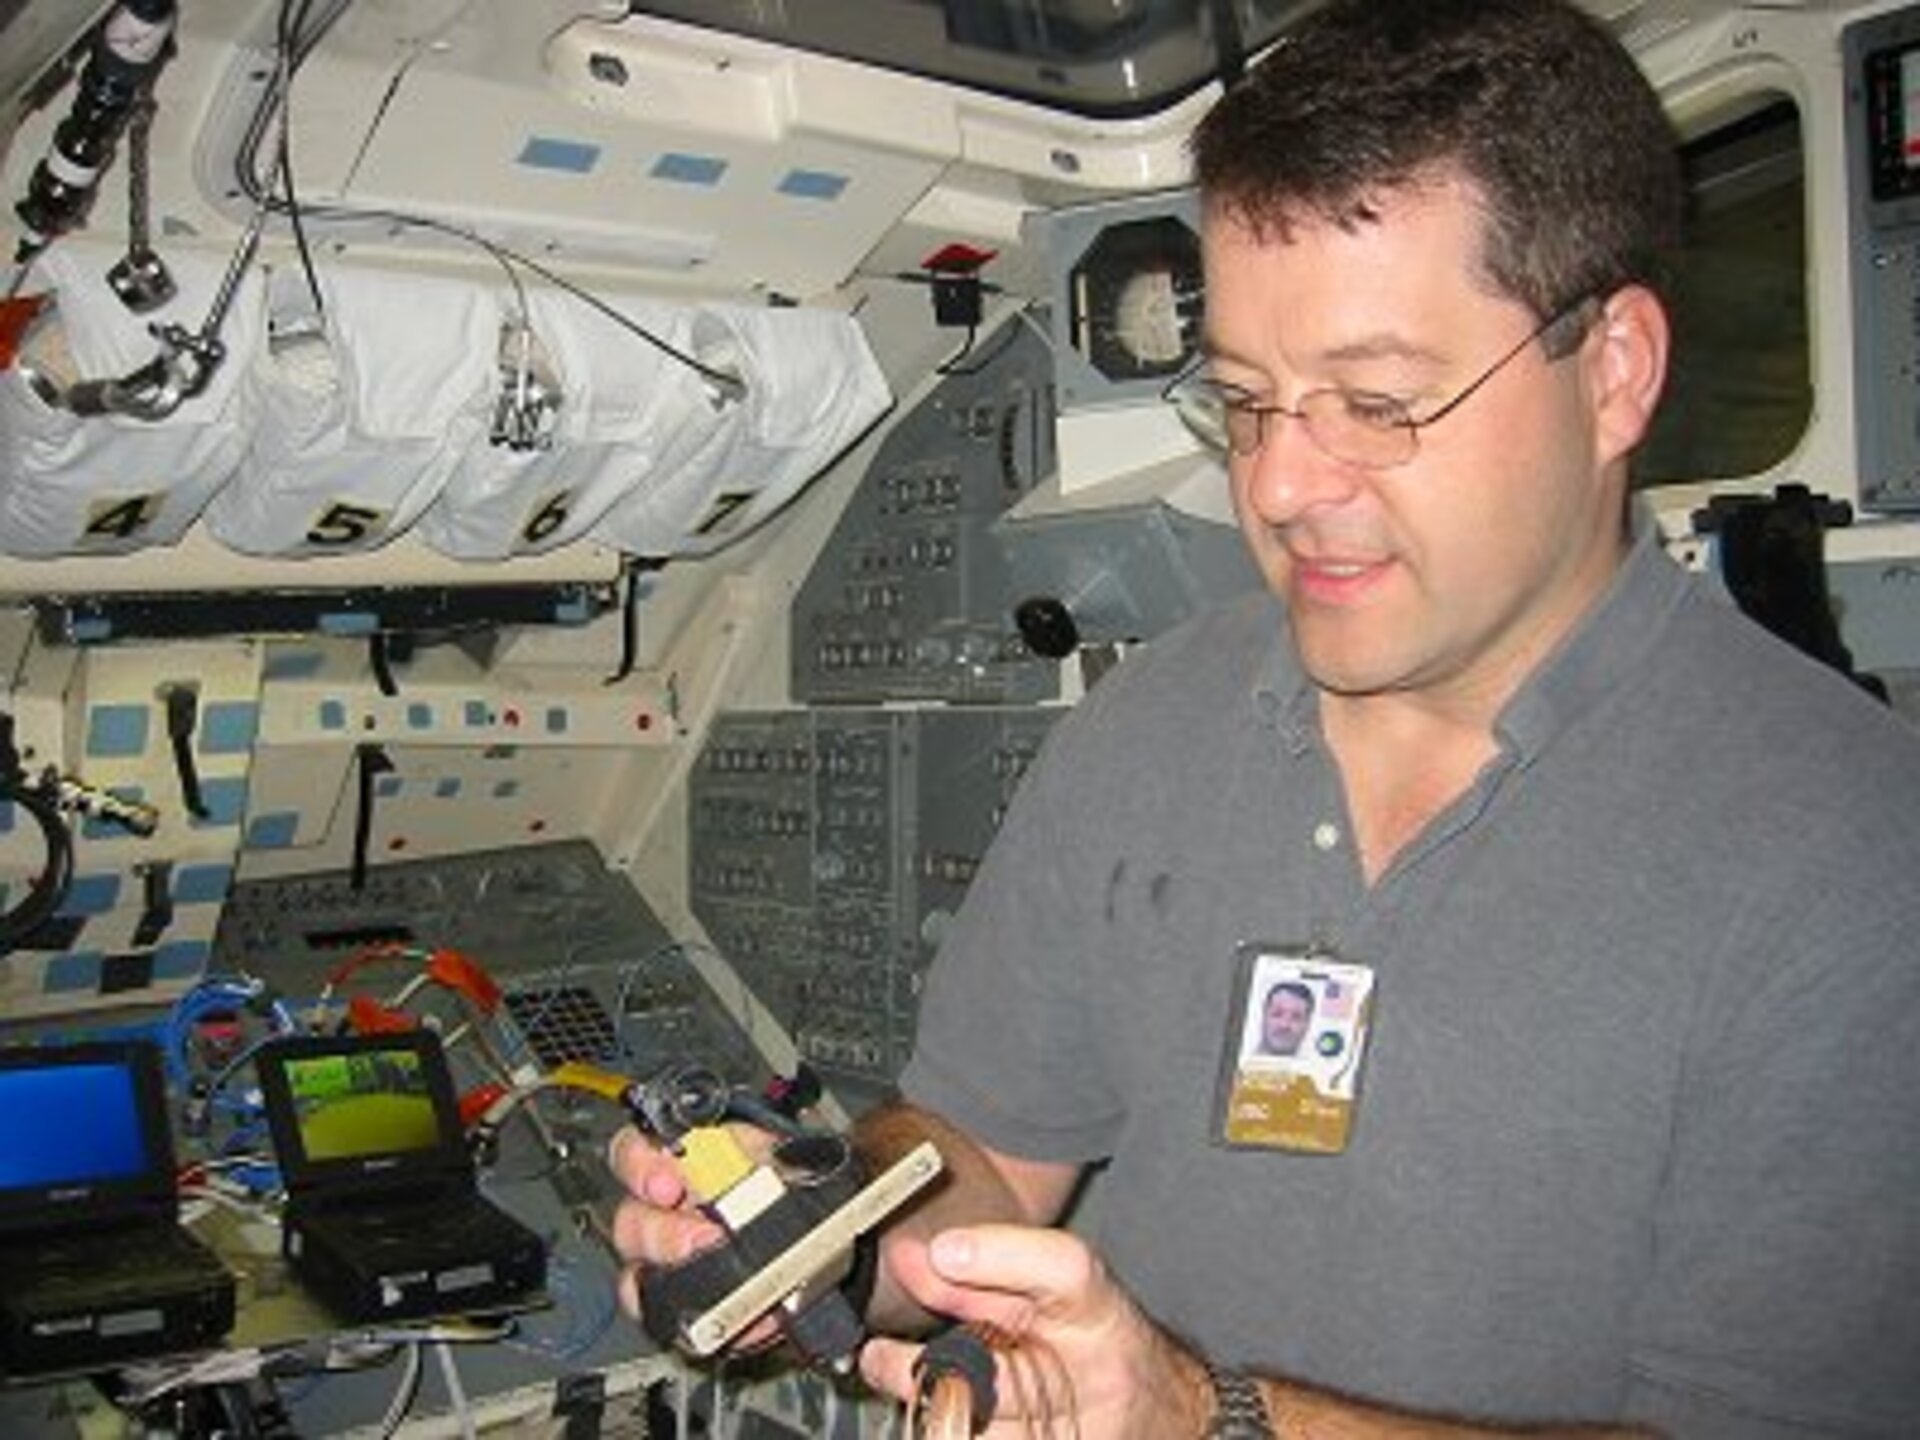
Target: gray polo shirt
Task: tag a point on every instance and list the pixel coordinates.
(1638, 1131)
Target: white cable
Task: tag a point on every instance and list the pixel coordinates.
(721, 1429)
(402, 1397)
(456, 1393)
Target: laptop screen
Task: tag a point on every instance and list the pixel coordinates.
(352, 1108)
(371, 1103)
(85, 1135)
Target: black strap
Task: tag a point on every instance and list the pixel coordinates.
(156, 908)
(183, 715)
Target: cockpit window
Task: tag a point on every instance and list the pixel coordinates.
(1740, 392)
(1093, 57)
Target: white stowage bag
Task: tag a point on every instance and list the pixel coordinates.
(108, 484)
(812, 387)
(364, 406)
(622, 402)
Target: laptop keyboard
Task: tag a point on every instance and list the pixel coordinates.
(82, 1257)
(441, 1225)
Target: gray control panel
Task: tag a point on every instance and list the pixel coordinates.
(829, 849)
(587, 971)
(911, 597)
(1882, 58)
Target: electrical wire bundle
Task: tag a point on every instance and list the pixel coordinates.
(956, 1390)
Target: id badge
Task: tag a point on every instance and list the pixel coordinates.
(1296, 1041)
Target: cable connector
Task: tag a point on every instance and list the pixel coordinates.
(953, 272)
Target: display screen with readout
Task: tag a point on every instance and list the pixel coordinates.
(1893, 120)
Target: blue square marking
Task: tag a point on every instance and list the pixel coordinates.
(333, 715)
(812, 185)
(91, 895)
(225, 801)
(75, 970)
(543, 152)
(419, 715)
(208, 884)
(273, 832)
(181, 959)
(227, 727)
(684, 169)
(447, 787)
(117, 730)
(294, 665)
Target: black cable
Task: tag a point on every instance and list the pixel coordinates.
(380, 657)
(289, 26)
(629, 626)
(50, 887)
(952, 366)
(373, 761)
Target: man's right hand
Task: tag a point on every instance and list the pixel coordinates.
(659, 1222)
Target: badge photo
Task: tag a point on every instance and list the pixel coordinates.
(1290, 1072)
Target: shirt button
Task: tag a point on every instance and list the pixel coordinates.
(1326, 835)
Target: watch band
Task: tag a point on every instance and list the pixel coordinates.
(1239, 1410)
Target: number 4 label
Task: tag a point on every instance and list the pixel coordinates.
(121, 518)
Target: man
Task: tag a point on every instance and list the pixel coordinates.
(1629, 885)
(1286, 1018)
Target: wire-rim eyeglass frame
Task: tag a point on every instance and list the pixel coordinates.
(1370, 431)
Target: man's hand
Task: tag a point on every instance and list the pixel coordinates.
(658, 1223)
(1049, 1292)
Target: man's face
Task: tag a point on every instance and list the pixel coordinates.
(1285, 1023)
(1453, 574)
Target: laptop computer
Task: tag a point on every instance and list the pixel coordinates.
(97, 1267)
(384, 1217)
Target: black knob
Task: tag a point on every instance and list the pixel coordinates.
(1047, 626)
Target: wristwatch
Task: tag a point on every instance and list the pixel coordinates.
(1239, 1412)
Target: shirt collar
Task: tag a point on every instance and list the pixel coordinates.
(1603, 647)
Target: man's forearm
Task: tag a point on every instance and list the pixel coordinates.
(970, 1190)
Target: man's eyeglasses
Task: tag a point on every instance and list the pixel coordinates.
(1355, 427)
